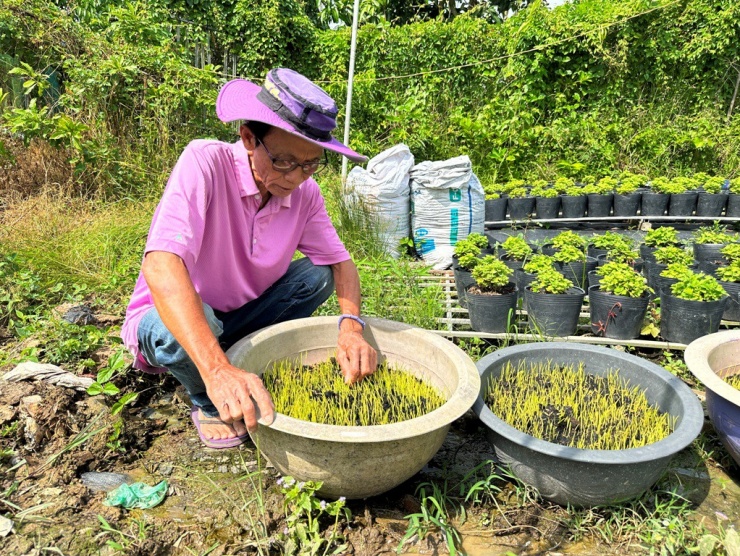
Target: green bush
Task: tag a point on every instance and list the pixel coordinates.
(569, 254)
(698, 287)
(550, 280)
(671, 254)
(610, 240)
(714, 184)
(661, 237)
(731, 252)
(569, 238)
(729, 273)
(517, 248)
(714, 234)
(622, 279)
(538, 263)
(491, 274)
(676, 270)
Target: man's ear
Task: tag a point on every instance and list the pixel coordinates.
(248, 138)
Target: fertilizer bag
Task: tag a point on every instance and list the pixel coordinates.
(448, 203)
(384, 190)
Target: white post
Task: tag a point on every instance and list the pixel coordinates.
(353, 48)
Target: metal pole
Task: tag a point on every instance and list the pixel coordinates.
(353, 48)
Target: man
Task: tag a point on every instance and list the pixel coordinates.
(218, 259)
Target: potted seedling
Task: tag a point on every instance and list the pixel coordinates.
(665, 256)
(708, 244)
(683, 196)
(359, 461)
(554, 304)
(547, 200)
(658, 237)
(466, 256)
(515, 251)
(729, 278)
(670, 275)
(521, 204)
(655, 199)
(495, 202)
(601, 197)
(573, 200)
(574, 264)
(622, 254)
(733, 199)
(619, 302)
(711, 200)
(492, 298)
(562, 239)
(693, 308)
(627, 195)
(601, 244)
(529, 271)
(713, 360)
(594, 474)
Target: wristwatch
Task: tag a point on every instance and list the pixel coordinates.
(351, 317)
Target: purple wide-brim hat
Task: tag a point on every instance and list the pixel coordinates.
(289, 101)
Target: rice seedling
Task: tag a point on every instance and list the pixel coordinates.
(733, 381)
(567, 406)
(318, 394)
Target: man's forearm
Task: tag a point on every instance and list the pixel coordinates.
(347, 284)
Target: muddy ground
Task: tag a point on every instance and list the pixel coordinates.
(52, 435)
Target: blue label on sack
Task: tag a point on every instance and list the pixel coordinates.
(455, 195)
(454, 221)
(423, 244)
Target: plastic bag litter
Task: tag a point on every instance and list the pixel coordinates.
(137, 495)
(101, 481)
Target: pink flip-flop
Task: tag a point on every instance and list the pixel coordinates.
(217, 444)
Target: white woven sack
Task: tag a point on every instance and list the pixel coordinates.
(448, 204)
(384, 189)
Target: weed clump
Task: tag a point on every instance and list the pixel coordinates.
(318, 393)
(567, 406)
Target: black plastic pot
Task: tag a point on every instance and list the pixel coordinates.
(496, 209)
(492, 313)
(682, 204)
(711, 267)
(548, 249)
(599, 205)
(710, 204)
(547, 207)
(463, 279)
(652, 272)
(595, 252)
(733, 205)
(683, 321)
(589, 477)
(708, 252)
(627, 205)
(616, 316)
(522, 280)
(577, 271)
(574, 206)
(594, 279)
(520, 208)
(732, 310)
(654, 204)
(554, 314)
(512, 263)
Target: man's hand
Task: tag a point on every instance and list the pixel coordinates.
(235, 391)
(355, 356)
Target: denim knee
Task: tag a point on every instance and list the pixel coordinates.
(159, 346)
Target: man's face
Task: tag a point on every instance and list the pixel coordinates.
(280, 148)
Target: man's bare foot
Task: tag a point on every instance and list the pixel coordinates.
(214, 428)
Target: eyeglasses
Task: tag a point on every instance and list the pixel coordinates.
(287, 166)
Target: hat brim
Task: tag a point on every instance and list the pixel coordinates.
(237, 100)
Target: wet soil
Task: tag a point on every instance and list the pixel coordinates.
(227, 501)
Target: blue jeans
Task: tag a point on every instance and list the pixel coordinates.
(296, 295)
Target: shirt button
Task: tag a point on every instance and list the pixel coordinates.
(254, 240)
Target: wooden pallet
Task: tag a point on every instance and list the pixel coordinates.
(456, 323)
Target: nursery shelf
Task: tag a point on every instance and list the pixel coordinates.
(457, 324)
(625, 219)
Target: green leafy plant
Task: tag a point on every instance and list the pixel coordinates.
(731, 252)
(670, 255)
(544, 191)
(569, 254)
(493, 190)
(606, 185)
(626, 187)
(698, 287)
(466, 247)
(550, 281)
(574, 191)
(563, 184)
(660, 185)
(622, 279)
(610, 240)
(517, 248)
(514, 184)
(492, 275)
(432, 516)
(661, 237)
(479, 240)
(714, 234)
(469, 261)
(304, 512)
(735, 186)
(518, 193)
(714, 184)
(729, 273)
(676, 270)
(569, 238)
(537, 263)
(623, 254)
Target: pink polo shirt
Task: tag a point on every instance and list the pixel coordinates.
(208, 216)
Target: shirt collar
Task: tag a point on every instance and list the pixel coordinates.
(247, 186)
